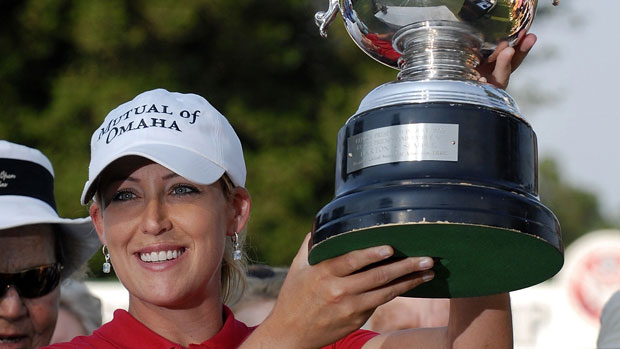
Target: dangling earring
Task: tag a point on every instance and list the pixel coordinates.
(106, 265)
(236, 249)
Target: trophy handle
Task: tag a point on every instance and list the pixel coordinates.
(324, 19)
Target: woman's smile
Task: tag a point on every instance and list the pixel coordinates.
(161, 259)
(161, 255)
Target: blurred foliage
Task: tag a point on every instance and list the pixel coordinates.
(263, 64)
(577, 209)
(64, 64)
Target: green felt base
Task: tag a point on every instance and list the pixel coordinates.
(472, 260)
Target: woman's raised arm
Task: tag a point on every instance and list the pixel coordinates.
(323, 303)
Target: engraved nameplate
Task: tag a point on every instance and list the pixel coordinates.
(410, 142)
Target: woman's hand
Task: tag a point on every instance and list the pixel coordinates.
(320, 304)
(497, 68)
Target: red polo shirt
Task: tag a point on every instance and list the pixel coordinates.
(124, 331)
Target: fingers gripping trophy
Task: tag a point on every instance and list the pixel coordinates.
(438, 163)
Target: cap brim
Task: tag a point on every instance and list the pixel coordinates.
(79, 239)
(182, 161)
(80, 242)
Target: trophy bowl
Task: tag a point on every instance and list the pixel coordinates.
(438, 163)
(372, 23)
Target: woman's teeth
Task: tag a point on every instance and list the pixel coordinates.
(160, 256)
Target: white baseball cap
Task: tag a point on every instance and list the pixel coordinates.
(182, 132)
(27, 197)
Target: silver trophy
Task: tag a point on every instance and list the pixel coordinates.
(438, 163)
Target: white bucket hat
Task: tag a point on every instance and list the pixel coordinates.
(182, 132)
(27, 197)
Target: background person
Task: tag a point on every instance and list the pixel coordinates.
(261, 291)
(79, 312)
(609, 333)
(38, 249)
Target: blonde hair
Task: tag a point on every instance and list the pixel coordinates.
(233, 276)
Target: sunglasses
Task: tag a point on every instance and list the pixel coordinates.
(32, 283)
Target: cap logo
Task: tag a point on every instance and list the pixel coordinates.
(137, 118)
(5, 176)
(26, 178)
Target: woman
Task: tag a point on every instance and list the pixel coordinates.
(38, 249)
(167, 177)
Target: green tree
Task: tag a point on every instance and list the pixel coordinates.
(578, 210)
(286, 90)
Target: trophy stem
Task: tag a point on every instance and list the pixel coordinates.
(438, 50)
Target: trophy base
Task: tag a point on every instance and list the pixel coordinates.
(452, 181)
(477, 240)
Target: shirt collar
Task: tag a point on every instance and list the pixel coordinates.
(126, 331)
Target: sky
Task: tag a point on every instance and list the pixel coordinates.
(575, 63)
